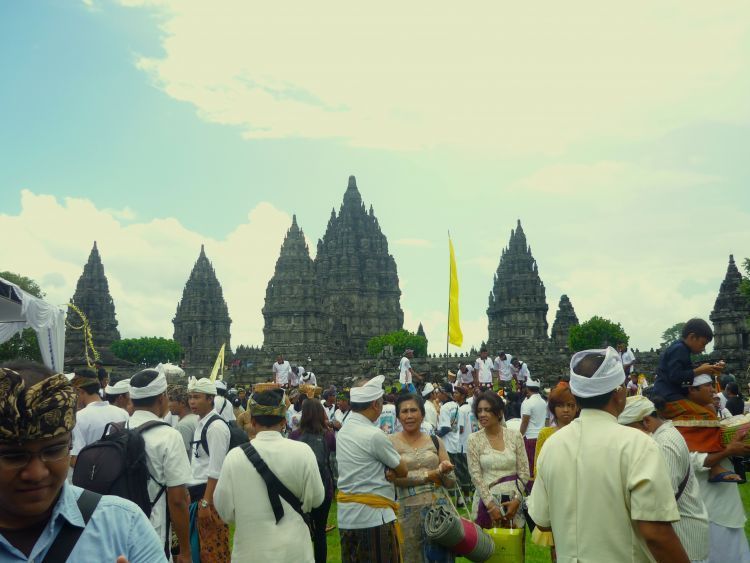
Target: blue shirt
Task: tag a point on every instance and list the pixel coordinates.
(117, 527)
(674, 373)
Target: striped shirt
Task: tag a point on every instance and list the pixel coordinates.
(692, 529)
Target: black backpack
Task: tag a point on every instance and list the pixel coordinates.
(116, 465)
(237, 436)
(317, 443)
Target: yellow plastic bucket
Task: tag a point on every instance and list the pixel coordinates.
(508, 545)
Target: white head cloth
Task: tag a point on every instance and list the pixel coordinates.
(533, 384)
(156, 387)
(608, 377)
(370, 391)
(220, 385)
(701, 379)
(429, 388)
(119, 388)
(202, 385)
(636, 408)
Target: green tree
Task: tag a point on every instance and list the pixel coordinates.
(745, 285)
(24, 345)
(672, 334)
(596, 332)
(400, 340)
(147, 351)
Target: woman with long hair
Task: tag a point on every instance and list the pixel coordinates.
(313, 430)
(498, 465)
(430, 471)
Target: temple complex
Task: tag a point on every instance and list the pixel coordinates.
(92, 297)
(201, 323)
(517, 311)
(565, 319)
(730, 315)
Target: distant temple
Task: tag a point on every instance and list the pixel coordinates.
(201, 323)
(730, 315)
(336, 303)
(565, 319)
(92, 297)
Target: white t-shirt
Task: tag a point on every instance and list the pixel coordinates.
(523, 372)
(503, 367)
(536, 409)
(628, 358)
(467, 425)
(387, 420)
(404, 376)
(430, 414)
(91, 421)
(467, 377)
(224, 408)
(281, 372)
(485, 369)
(449, 417)
(308, 377)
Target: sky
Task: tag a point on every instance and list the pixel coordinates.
(616, 133)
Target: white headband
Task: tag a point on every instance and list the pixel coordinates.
(429, 388)
(119, 388)
(202, 385)
(220, 385)
(153, 389)
(370, 391)
(701, 379)
(636, 408)
(608, 377)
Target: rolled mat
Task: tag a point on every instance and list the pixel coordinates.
(459, 535)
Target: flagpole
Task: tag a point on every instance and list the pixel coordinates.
(448, 328)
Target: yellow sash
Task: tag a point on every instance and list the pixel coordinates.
(376, 501)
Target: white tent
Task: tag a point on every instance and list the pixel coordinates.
(20, 310)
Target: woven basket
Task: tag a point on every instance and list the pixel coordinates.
(261, 387)
(730, 427)
(311, 391)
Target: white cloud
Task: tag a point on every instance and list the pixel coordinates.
(124, 214)
(147, 264)
(498, 77)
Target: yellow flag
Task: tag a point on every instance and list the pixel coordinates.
(455, 336)
(218, 366)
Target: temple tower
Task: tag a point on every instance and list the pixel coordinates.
(201, 323)
(517, 309)
(93, 298)
(357, 278)
(731, 313)
(294, 324)
(565, 319)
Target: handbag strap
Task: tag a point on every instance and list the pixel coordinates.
(68, 536)
(682, 485)
(275, 487)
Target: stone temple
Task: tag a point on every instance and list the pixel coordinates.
(201, 323)
(730, 316)
(334, 304)
(92, 297)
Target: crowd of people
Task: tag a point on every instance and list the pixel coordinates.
(601, 467)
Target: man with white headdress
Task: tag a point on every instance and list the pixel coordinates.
(692, 529)
(602, 488)
(367, 461)
(118, 395)
(533, 419)
(430, 411)
(168, 465)
(210, 447)
(222, 405)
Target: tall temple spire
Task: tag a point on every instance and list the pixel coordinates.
(201, 323)
(565, 319)
(92, 297)
(731, 313)
(517, 311)
(293, 318)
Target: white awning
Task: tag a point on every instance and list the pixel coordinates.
(20, 310)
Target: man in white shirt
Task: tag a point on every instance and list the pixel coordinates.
(466, 375)
(502, 366)
(222, 405)
(692, 529)
(343, 410)
(430, 412)
(533, 419)
(118, 396)
(329, 405)
(406, 374)
(94, 413)
(483, 366)
(166, 459)
(262, 532)
(186, 419)
(367, 462)
(459, 459)
(308, 377)
(208, 456)
(603, 489)
(282, 371)
(627, 356)
(520, 372)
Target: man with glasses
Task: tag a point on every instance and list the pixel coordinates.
(43, 518)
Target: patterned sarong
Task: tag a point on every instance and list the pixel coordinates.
(209, 541)
(699, 425)
(370, 545)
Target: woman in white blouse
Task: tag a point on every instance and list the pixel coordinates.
(498, 466)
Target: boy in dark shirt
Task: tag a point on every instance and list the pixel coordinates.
(676, 379)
